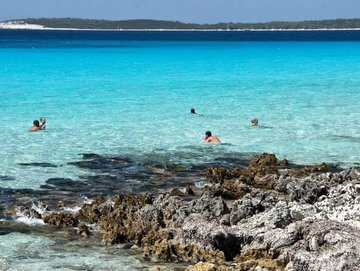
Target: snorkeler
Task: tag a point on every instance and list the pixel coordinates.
(254, 122)
(36, 126)
(209, 138)
(42, 123)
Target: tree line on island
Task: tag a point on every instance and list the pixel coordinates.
(159, 24)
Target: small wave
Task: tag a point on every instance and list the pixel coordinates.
(72, 210)
(202, 184)
(25, 217)
(40, 208)
(76, 209)
(30, 221)
(86, 200)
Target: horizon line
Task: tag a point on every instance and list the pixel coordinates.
(162, 20)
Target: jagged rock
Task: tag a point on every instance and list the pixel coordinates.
(263, 217)
(301, 211)
(258, 168)
(176, 192)
(189, 191)
(91, 211)
(244, 208)
(32, 213)
(306, 171)
(327, 246)
(83, 230)
(201, 266)
(212, 207)
(61, 220)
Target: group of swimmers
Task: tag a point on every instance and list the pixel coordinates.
(209, 138)
(38, 125)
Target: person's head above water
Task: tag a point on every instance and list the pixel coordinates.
(192, 111)
(209, 138)
(43, 123)
(36, 126)
(254, 122)
(36, 123)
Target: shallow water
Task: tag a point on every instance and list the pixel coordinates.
(134, 98)
(27, 252)
(131, 100)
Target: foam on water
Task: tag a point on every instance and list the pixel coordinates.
(30, 221)
(22, 217)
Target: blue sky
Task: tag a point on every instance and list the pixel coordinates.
(199, 11)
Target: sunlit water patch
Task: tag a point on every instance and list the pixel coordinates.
(28, 252)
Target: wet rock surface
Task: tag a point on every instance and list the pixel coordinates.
(268, 215)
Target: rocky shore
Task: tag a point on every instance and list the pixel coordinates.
(265, 216)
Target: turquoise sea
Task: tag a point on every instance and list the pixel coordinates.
(132, 98)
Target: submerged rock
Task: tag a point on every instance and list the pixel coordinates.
(37, 165)
(83, 230)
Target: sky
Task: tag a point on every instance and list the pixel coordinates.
(197, 11)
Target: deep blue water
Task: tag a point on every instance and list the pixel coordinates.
(14, 36)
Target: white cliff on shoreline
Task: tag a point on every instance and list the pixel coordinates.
(20, 25)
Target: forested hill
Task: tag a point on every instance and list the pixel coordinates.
(156, 24)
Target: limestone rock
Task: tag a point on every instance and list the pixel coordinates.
(83, 230)
(201, 266)
(61, 220)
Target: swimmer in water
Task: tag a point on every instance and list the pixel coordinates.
(192, 111)
(209, 138)
(42, 123)
(36, 126)
(254, 122)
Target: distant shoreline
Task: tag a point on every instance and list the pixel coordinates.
(41, 28)
(79, 24)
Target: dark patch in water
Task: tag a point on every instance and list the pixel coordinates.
(64, 183)
(9, 191)
(231, 160)
(101, 163)
(37, 164)
(90, 155)
(109, 175)
(6, 178)
(7, 227)
(265, 127)
(345, 138)
(315, 126)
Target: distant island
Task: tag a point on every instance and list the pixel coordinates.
(91, 24)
